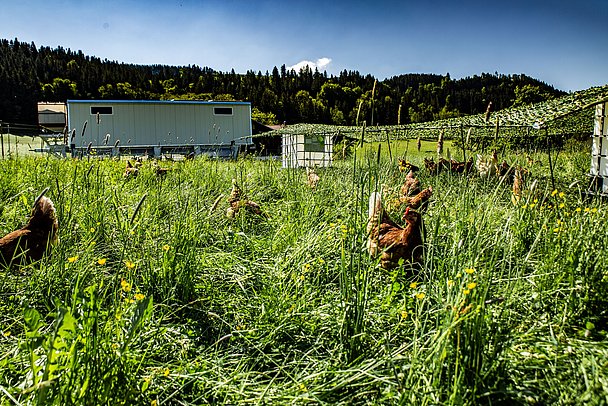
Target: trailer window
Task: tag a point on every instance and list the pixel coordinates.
(222, 111)
(101, 110)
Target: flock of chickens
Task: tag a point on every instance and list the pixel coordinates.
(394, 243)
(397, 244)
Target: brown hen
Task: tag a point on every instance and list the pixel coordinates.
(411, 186)
(237, 201)
(389, 239)
(130, 170)
(31, 242)
(417, 201)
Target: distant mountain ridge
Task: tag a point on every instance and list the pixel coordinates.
(29, 74)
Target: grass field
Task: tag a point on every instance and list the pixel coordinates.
(151, 297)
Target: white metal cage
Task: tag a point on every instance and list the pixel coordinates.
(599, 149)
(307, 150)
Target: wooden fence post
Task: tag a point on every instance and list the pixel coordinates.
(388, 141)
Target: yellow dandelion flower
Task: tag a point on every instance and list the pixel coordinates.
(450, 283)
(92, 243)
(101, 261)
(562, 205)
(321, 261)
(166, 247)
(554, 192)
(403, 314)
(414, 285)
(535, 200)
(92, 229)
(332, 225)
(166, 372)
(531, 205)
(6, 333)
(129, 264)
(139, 296)
(561, 195)
(578, 210)
(125, 286)
(154, 403)
(471, 285)
(73, 259)
(587, 210)
(420, 295)
(594, 210)
(466, 291)
(98, 223)
(556, 230)
(470, 270)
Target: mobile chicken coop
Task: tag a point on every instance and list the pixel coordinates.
(599, 150)
(307, 150)
(157, 127)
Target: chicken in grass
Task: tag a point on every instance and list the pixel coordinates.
(31, 242)
(391, 241)
(418, 201)
(520, 176)
(431, 166)
(130, 170)
(436, 167)
(487, 166)
(411, 186)
(407, 166)
(238, 201)
(312, 178)
(504, 170)
(159, 171)
(461, 167)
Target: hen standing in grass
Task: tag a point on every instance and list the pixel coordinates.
(407, 166)
(34, 239)
(519, 183)
(487, 167)
(312, 177)
(130, 170)
(390, 240)
(417, 201)
(238, 200)
(411, 186)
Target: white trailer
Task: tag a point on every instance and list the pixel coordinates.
(157, 127)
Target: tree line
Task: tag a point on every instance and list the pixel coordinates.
(29, 74)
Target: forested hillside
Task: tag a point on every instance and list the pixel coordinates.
(29, 74)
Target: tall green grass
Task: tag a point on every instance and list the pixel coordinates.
(152, 298)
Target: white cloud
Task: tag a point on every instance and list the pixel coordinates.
(321, 64)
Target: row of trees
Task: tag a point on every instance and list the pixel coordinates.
(29, 74)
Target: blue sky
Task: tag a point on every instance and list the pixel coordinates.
(563, 42)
